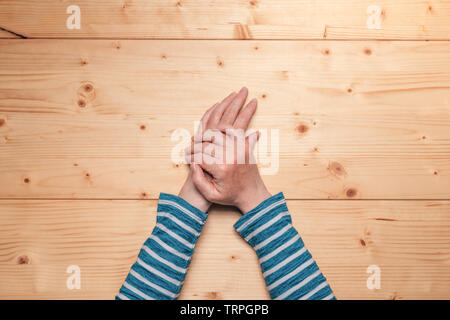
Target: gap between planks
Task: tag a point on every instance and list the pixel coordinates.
(19, 37)
(287, 199)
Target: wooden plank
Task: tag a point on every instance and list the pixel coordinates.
(236, 19)
(408, 240)
(94, 119)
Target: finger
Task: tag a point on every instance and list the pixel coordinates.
(245, 116)
(198, 147)
(207, 158)
(214, 136)
(192, 154)
(203, 121)
(217, 112)
(230, 113)
(205, 116)
(202, 183)
(251, 140)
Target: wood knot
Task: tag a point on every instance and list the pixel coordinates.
(253, 3)
(351, 192)
(86, 93)
(87, 175)
(435, 173)
(88, 87)
(213, 295)
(395, 296)
(164, 56)
(242, 31)
(26, 180)
(363, 243)
(302, 128)
(75, 164)
(367, 51)
(349, 90)
(143, 195)
(23, 260)
(256, 48)
(326, 52)
(143, 127)
(264, 96)
(84, 61)
(2, 122)
(336, 168)
(178, 4)
(430, 9)
(81, 103)
(220, 62)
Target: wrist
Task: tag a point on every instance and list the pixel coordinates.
(253, 198)
(190, 194)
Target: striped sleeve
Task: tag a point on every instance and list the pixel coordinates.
(161, 265)
(288, 268)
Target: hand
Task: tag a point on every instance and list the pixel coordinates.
(189, 192)
(226, 175)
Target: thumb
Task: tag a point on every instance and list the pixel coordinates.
(201, 182)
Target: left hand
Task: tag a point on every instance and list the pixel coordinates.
(190, 193)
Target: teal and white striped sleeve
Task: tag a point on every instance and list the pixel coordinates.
(288, 268)
(161, 266)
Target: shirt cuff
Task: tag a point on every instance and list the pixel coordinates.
(172, 202)
(256, 219)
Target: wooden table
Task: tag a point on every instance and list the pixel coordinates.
(359, 92)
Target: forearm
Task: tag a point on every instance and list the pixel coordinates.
(162, 263)
(288, 268)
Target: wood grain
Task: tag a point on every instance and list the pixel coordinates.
(408, 240)
(225, 19)
(94, 119)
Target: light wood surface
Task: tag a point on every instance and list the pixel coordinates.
(351, 124)
(408, 240)
(229, 19)
(86, 119)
